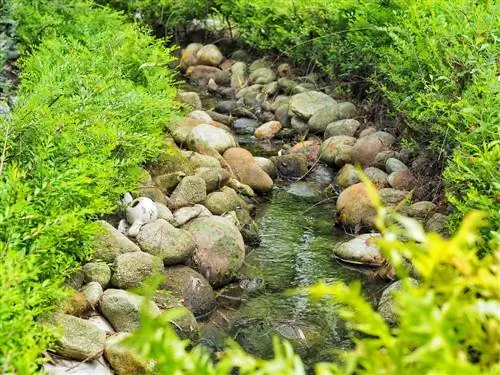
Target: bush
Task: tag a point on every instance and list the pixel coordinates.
(94, 99)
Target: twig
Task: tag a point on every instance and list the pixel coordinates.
(326, 200)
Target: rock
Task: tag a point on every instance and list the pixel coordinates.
(190, 98)
(366, 148)
(203, 73)
(346, 127)
(153, 193)
(203, 136)
(220, 202)
(240, 188)
(287, 85)
(188, 57)
(131, 269)
(393, 197)
(331, 150)
(394, 165)
(78, 339)
(403, 180)
(227, 64)
(347, 176)
(271, 88)
(76, 279)
(382, 157)
(284, 69)
(220, 249)
(419, 210)
(202, 161)
(311, 149)
(247, 226)
(302, 189)
(308, 103)
(281, 115)
(76, 304)
(92, 292)
(164, 212)
(259, 64)
(247, 170)
(212, 86)
(122, 358)
(437, 223)
(61, 366)
(97, 271)
(367, 131)
(267, 165)
(291, 165)
(182, 128)
(262, 76)
(221, 118)
(200, 115)
(245, 126)
(215, 178)
(264, 116)
(209, 55)
(141, 211)
(184, 214)
(300, 128)
(111, 243)
(100, 322)
(191, 190)
(386, 306)
(376, 176)
(354, 208)
(320, 120)
(192, 288)
(241, 55)
(321, 175)
(167, 182)
(122, 309)
(360, 250)
(238, 75)
(166, 242)
(268, 130)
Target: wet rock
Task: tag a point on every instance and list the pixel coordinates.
(69, 367)
(366, 148)
(200, 115)
(386, 306)
(201, 161)
(346, 127)
(97, 271)
(238, 75)
(131, 269)
(268, 130)
(220, 202)
(92, 292)
(403, 180)
(311, 149)
(220, 248)
(209, 55)
(360, 250)
(259, 64)
(245, 126)
(320, 120)
(122, 309)
(247, 170)
(191, 190)
(302, 189)
(376, 176)
(262, 76)
(203, 73)
(437, 223)
(188, 57)
(166, 242)
(331, 151)
(394, 165)
(215, 178)
(139, 212)
(190, 98)
(291, 165)
(308, 103)
(191, 287)
(79, 339)
(122, 358)
(347, 176)
(354, 208)
(111, 243)
(203, 136)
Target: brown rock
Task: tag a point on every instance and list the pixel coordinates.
(366, 148)
(247, 170)
(268, 130)
(310, 149)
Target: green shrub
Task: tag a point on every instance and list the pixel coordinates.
(94, 99)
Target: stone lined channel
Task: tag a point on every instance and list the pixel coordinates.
(256, 196)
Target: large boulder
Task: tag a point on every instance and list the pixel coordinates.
(308, 103)
(122, 309)
(78, 338)
(339, 111)
(209, 136)
(366, 148)
(247, 170)
(162, 239)
(360, 250)
(110, 243)
(332, 149)
(209, 55)
(220, 202)
(122, 358)
(131, 269)
(191, 190)
(220, 248)
(346, 127)
(188, 56)
(191, 287)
